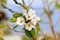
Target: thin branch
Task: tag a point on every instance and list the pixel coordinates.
(44, 6)
(7, 8)
(17, 2)
(23, 2)
(48, 5)
(50, 20)
(57, 22)
(31, 3)
(17, 30)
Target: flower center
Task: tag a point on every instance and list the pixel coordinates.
(29, 25)
(28, 16)
(21, 21)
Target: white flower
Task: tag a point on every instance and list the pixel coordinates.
(37, 18)
(28, 17)
(29, 26)
(20, 21)
(24, 13)
(34, 21)
(32, 12)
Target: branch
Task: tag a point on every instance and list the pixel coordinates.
(50, 20)
(17, 30)
(57, 22)
(23, 2)
(7, 8)
(31, 3)
(16, 2)
(24, 6)
(45, 9)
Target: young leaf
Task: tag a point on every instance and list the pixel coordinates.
(17, 15)
(38, 27)
(30, 34)
(13, 20)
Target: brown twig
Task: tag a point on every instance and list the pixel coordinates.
(31, 3)
(23, 2)
(50, 20)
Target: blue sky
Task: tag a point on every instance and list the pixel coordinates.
(37, 5)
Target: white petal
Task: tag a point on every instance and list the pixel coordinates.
(33, 21)
(19, 19)
(17, 22)
(28, 28)
(28, 17)
(24, 13)
(38, 18)
(31, 12)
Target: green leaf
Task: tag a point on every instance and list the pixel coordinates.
(38, 27)
(17, 15)
(15, 26)
(25, 7)
(30, 34)
(26, 38)
(13, 20)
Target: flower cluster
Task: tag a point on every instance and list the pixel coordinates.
(29, 19)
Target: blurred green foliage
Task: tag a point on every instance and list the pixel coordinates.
(5, 27)
(26, 38)
(3, 1)
(3, 24)
(1, 38)
(57, 6)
